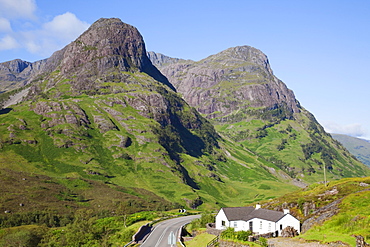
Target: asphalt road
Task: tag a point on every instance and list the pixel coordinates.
(159, 236)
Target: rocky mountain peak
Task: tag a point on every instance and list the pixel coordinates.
(14, 66)
(107, 43)
(235, 79)
(242, 54)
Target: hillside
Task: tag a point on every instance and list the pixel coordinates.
(238, 92)
(101, 128)
(99, 117)
(359, 148)
(330, 213)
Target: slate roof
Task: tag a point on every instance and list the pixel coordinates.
(248, 213)
(237, 213)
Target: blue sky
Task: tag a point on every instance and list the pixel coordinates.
(320, 49)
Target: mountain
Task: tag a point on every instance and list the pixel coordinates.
(359, 148)
(15, 73)
(97, 116)
(230, 81)
(238, 92)
(98, 126)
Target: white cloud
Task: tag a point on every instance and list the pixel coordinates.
(8, 43)
(5, 25)
(53, 35)
(48, 38)
(18, 9)
(41, 40)
(356, 130)
(66, 26)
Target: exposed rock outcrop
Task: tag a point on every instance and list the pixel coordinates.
(232, 80)
(17, 73)
(109, 44)
(321, 215)
(289, 232)
(360, 241)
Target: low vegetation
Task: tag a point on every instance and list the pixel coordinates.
(100, 141)
(333, 212)
(85, 228)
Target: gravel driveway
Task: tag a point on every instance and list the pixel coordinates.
(289, 242)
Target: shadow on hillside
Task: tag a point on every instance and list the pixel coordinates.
(5, 111)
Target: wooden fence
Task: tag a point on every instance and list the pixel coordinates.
(213, 242)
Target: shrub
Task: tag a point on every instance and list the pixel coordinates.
(229, 233)
(263, 241)
(202, 221)
(243, 235)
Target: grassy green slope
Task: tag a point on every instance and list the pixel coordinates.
(297, 144)
(346, 203)
(277, 129)
(86, 143)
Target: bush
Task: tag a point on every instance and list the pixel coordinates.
(243, 235)
(202, 221)
(263, 241)
(23, 236)
(229, 233)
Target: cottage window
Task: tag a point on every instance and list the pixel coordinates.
(269, 227)
(261, 224)
(223, 223)
(235, 224)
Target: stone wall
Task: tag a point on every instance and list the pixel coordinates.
(254, 238)
(212, 230)
(225, 243)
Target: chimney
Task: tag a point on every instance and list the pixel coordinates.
(258, 206)
(286, 211)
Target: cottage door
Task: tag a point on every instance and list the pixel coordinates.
(251, 226)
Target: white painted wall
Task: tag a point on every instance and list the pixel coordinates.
(219, 218)
(260, 226)
(288, 220)
(238, 225)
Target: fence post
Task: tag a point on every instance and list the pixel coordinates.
(213, 241)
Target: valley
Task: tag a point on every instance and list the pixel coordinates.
(104, 131)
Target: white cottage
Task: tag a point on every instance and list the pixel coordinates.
(257, 220)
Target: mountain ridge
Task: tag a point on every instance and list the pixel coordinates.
(99, 110)
(121, 126)
(246, 66)
(358, 147)
(238, 92)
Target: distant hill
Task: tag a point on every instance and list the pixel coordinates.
(359, 148)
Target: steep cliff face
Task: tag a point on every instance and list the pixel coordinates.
(17, 73)
(237, 90)
(234, 79)
(109, 46)
(99, 110)
(102, 101)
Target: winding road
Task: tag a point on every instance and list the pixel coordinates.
(159, 237)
